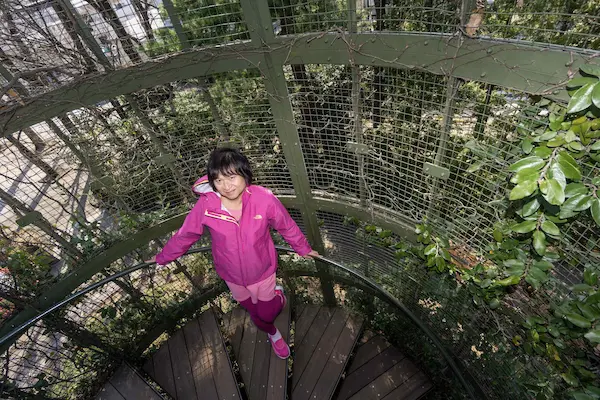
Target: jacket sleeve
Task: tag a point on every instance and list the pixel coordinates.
(280, 220)
(189, 233)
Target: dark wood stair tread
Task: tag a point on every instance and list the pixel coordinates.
(380, 371)
(324, 339)
(193, 363)
(127, 384)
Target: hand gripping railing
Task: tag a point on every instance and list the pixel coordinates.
(387, 296)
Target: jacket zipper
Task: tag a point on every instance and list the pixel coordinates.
(238, 236)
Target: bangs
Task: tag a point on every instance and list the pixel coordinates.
(228, 162)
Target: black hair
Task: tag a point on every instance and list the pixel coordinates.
(228, 161)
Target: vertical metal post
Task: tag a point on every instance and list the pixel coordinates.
(258, 17)
(358, 129)
(85, 33)
(176, 22)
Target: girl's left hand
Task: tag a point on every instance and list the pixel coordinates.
(312, 254)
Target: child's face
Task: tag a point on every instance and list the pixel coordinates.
(230, 186)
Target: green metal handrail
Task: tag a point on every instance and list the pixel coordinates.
(386, 295)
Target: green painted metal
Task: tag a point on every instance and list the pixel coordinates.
(257, 16)
(29, 218)
(85, 33)
(436, 171)
(510, 65)
(385, 218)
(65, 286)
(173, 16)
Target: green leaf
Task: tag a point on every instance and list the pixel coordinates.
(538, 274)
(530, 208)
(578, 320)
(543, 265)
(542, 152)
(524, 227)
(571, 136)
(532, 162)
(569, 166)
(593, 336)
(429, 250)
(555, 194)
(574, 189)
(556, 142)
(581, 288)
(596, 96)
(498, 236)
(549, 135)
(514, 263)
(550, 228)
(590, 277)
(511, 280)
(557, 174)
(523, 190)
(575, 204)
(581, 81)
(527, 146)
(476, 166)
(528, 174)
(595, 146)
(588, 311)
(539, 242)
(570, 379)
(576, 146)
(590, 69)
(582, 99)
(582, 396)
(595, 209)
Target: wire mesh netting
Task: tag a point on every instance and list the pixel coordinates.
(394, 142)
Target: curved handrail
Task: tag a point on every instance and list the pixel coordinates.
(391, 299)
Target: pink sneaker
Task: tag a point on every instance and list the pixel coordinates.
(279, 292)
(280, 347)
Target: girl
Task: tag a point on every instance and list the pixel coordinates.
(238, 216)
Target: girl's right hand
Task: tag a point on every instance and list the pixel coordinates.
(152, 260)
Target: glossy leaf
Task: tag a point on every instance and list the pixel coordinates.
(530, 208)
(570, 379)
(543, 265)
(581, 81)
(550, 228)
(523, 190)
(524, 227)
(569, 166)
(595, 209)
(538, 274)
(531, 162)
(576, 146)
(429, 250)
(593, 336)
(596, 96)
(574, 189)
(578, 320)
(590, 277)
(528, 174)
(595, 146)
(511, 280)
(536, 284)
(498, 236)
(542, 152)
(527, 146)
(476, 166)
(590, 69)
(539, 242)
(581, 99)
(582, 396)
(555, 194)
(555, 172)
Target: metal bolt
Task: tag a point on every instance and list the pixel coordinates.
(489, 51)
(443, 174)
(483, 74)
(372, 40)
(568, 64)
(328, 58)
(426, 42)
(326, 40)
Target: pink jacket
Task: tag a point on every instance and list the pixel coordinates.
(243, 252)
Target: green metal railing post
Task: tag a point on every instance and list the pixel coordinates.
(85, 33)
(174, 17)
(258, 17)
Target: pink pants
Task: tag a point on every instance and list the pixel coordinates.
(260, 301)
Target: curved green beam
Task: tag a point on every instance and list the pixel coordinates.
(10, 337)
(511, 64)
(86, 271)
